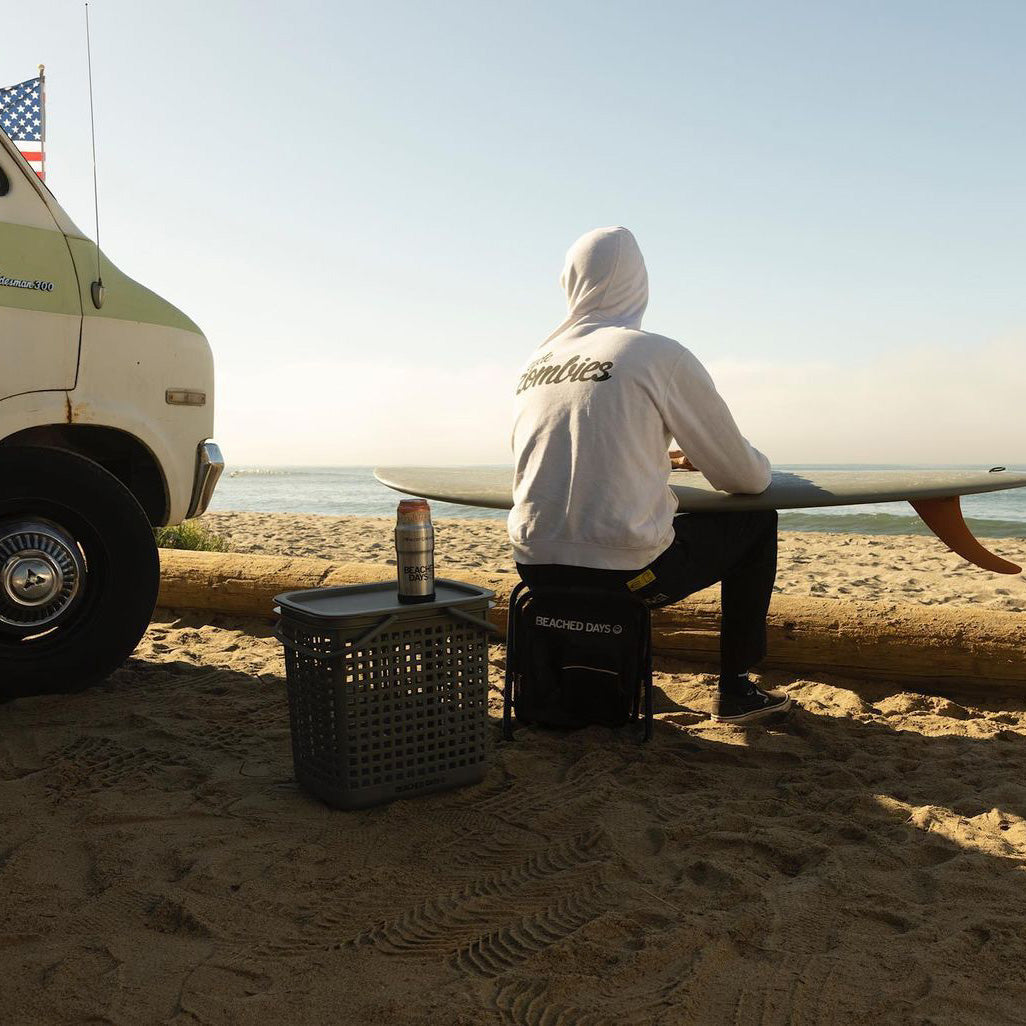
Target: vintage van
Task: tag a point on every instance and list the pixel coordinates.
(106, 413)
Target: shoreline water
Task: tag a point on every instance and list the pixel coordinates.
(353, 491)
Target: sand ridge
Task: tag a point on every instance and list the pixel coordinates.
(862, 861)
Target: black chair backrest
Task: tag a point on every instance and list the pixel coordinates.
(576, 657)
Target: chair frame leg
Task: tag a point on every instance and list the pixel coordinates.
(511, 659)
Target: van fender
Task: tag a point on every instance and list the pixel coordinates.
(177, 462)
(32, 409)
(118, 452)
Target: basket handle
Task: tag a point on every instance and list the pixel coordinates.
(335, 652)
(475, 620)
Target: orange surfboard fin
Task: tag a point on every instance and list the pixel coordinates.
(944, 518)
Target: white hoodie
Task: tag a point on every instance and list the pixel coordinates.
(596, 409)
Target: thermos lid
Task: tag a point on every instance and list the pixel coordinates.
(413, 511)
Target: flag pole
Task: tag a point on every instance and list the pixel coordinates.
(42, 120)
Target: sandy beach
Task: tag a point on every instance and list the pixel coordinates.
(901, 568)
(863, 861)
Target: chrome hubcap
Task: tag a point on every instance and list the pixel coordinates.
(41, 574)
(32, 580)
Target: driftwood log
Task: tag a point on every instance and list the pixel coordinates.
(931, 645)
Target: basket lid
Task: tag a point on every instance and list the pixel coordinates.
(328, 606)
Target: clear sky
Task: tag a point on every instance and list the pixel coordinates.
(366, 206)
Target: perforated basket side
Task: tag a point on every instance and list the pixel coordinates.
(315, 710)
(416, 705)
(404, 713)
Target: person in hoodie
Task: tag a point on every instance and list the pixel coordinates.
(596, 409)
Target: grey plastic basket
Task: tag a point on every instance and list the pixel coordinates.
(386, 700)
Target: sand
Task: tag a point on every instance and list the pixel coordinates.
(882, 567)
(863, 861)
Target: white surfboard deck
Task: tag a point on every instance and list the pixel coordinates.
(492, 487)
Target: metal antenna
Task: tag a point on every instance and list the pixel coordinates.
(97, 286)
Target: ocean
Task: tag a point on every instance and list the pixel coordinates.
(353, 490)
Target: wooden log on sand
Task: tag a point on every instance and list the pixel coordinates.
(931, 645)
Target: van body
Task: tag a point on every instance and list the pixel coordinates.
(116, 378)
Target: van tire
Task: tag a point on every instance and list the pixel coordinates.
(116, 591)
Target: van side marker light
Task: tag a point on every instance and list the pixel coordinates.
(182, 397)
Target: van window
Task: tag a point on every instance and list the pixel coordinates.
(5, 184)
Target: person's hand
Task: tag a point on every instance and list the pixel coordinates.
(678, 461)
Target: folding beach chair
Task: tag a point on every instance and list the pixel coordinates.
(576, 657)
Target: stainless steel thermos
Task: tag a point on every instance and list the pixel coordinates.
(415, 551)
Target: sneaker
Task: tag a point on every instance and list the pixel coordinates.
(748, 705)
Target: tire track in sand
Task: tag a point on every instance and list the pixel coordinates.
(537, 887)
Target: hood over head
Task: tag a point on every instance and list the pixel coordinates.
(605, 281)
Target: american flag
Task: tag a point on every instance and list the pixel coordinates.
(22, 117)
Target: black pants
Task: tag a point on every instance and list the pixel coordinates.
(737, 549)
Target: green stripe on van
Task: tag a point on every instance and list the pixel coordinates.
(124, 298)
(36, 265)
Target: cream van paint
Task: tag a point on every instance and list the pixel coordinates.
(106, 417)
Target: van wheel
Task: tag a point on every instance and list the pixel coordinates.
(78, 572)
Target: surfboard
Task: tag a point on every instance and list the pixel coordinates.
(934, 494)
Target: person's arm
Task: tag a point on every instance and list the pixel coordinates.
(701, 424)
